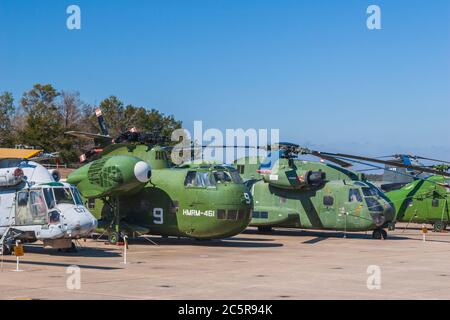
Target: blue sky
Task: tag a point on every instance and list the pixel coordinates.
(310, 68)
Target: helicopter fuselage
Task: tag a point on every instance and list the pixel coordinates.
(313, 195)
(197, 200)
(33, 206)
(336, 205)
(422, 201)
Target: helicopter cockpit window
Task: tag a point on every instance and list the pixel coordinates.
(222, 176)
(199, 179)
(369, 192)
(63, 195)
(77, 196)
(49, 198)
(236, 176)
(373, 204)
(38, 207)
(354, 196)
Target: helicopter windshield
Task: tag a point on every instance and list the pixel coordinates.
(54, 196)
(77, 196)
(373, 204)
(49, 198)
(227, 176)
(354, 196)
(199, 179)
(369, 192)
(65, 196)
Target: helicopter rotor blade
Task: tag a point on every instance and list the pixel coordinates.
(340, 162)
(375, 167)
(324, 156)
(388, 162)
(431, 159)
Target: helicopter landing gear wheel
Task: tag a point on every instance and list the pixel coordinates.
(379, 234)
(391, 226)
(113, 238)
(439, 226)
(264, 228)
(72, 249)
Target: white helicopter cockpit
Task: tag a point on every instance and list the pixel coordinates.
(34, 206)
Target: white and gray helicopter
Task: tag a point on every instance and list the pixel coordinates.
(36, 206)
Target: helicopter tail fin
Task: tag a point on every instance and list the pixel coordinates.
(101, 122)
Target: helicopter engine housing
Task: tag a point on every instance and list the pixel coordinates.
(296, 179)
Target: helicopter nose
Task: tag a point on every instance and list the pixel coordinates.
(87, 225)
(382, 217)
(389, 212)
(378, 219)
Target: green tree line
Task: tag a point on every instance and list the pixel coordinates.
(44, 114)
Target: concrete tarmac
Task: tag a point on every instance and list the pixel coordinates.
(284, 264)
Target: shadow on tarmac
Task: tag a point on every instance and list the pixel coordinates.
(321, 235)
(82, 251)
(57, 264)
(235, 242)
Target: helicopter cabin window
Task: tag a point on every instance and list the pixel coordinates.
(221, 214)
(199, 179)
(22, 207)
(354, 196)
(435, 203)
(31, 208)
(328, 200)
(232, 214)
(260, 215)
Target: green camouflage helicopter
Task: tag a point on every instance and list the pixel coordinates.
(289, 192)
(133, 187)
(419, 193)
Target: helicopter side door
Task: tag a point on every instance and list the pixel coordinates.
(437, 207)
(327, 212)
(350, 211)
(30, 208)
